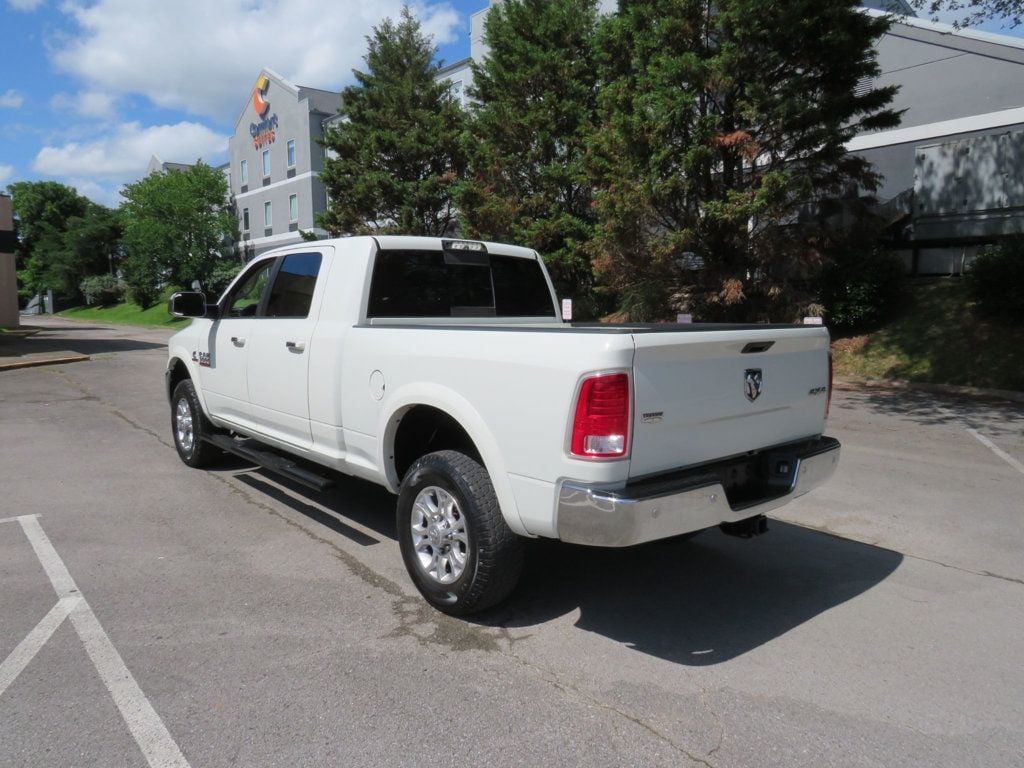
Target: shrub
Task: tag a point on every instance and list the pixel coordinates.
(861, 287)
(996, 280)
(102, 289)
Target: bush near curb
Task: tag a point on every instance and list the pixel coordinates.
(996, 280)
(862, 287)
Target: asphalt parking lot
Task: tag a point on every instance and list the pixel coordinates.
(151, 614)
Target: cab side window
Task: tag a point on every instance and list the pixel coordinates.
(244, 300)
(292, 292)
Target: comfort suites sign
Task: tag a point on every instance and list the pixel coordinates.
(264, 131)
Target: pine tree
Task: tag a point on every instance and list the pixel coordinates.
(536, 96)
(722, 124)
(398, 152)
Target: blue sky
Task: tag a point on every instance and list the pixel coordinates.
(91, 89)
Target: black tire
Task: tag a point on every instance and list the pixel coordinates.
(493, 557)
(198, 453)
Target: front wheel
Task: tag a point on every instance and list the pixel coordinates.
(459, 551)
(189, 424)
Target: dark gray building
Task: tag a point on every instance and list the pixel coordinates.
(954, 169)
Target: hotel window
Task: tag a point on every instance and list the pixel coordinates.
(245, 219)
(293, 207)
(268, 214)
(266, 162)
(291, 153)
(456, 90)
(244, 171)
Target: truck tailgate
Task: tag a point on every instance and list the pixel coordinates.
(703, 395)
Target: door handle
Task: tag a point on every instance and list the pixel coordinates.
(238, 341)
(296, 346)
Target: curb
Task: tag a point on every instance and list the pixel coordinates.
(977, 393)
(16, 364)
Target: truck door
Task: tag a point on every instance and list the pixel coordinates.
(222, 365)
(279, 350)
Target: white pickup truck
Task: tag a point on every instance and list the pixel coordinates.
(441, 370)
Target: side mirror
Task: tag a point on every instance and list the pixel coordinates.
(187, 304)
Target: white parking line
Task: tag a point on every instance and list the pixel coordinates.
(145, 724)
(997, 450)
(31, 645)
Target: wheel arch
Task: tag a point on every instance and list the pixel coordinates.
(408, 433)
(179, 369)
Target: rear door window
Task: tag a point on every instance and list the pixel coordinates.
(292, 291)
(444, 284)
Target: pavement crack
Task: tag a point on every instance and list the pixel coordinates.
(718, 721)
(962, 569)
(572, 691)
(89, 395)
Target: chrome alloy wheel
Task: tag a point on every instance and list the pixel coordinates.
(183, 425)
(439, 537)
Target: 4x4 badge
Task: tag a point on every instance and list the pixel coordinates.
(752, 379)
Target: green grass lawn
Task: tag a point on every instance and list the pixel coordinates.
(938, 338)
(128, 314)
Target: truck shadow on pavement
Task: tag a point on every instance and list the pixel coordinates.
(361, 502)
(701, 601)
(697, 602)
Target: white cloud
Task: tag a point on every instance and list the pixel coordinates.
(24, 5)
(108, 194)
(11, 99)
(86, 103)
(6, 174)
(123, 155)
(202, 56)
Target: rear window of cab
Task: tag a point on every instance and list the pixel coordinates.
(438, 284)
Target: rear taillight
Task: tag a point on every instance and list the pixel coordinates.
(600, 428)
(828, 397)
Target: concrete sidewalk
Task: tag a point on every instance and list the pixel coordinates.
(49, 340)
(29, 346)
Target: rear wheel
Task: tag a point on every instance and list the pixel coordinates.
(188, 425)
(456, 545)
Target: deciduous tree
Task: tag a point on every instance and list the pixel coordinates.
(63, 237)
(971, 13)
(177, 226)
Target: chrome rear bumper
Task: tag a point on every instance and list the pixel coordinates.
(692, 502)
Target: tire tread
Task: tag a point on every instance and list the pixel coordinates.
(499, 559)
